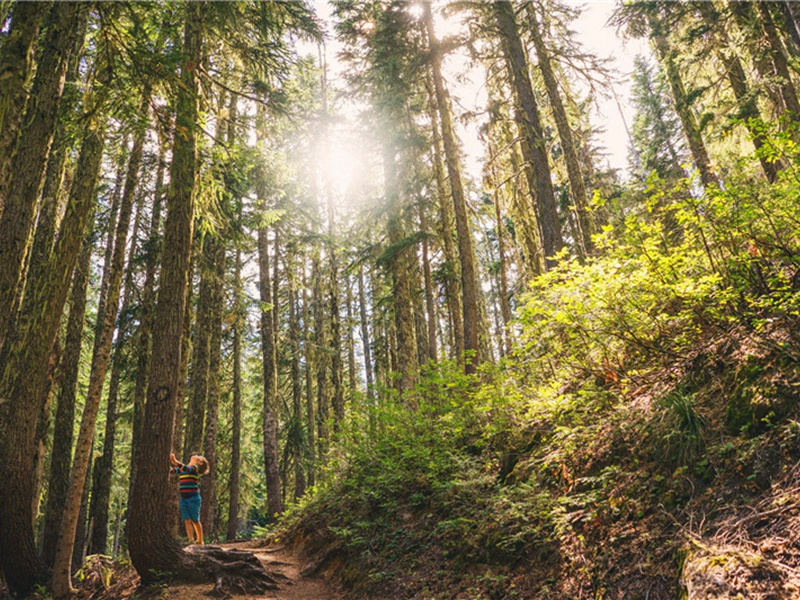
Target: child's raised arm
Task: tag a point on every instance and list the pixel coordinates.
(174, 461)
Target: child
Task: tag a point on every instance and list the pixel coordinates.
(189, 482)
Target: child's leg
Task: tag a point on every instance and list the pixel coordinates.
(189, 530)
(198, 531)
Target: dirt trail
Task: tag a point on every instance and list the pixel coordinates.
(278, 560)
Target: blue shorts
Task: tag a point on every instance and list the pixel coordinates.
(190, 507)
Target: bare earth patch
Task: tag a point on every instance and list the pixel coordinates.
(280, 562)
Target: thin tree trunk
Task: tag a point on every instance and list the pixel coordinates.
(152, 546)
(310, 412)
(79, 550)
(452, 283)
(320, 357)
(297, 389)
(430, 305)
(351, 351)
(533, 146)
(505, 305)
(779, 62)
(401, 268)
(269, 423)
(201, 350)
(236, 426)
(576, 182)
(30, 156)
(748, 109)
(365, 341)
(690, 126)
(101, 482)
(208, 483)
(469, 280)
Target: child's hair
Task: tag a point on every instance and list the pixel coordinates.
(202, 467)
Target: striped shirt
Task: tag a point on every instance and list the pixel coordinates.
(188, 480)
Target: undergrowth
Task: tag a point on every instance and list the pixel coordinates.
(652, 394)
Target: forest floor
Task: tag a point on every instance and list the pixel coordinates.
(280, 561)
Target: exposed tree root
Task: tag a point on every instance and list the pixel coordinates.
(234, 571)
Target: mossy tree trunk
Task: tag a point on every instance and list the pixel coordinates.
(537, 168)
(466, 252)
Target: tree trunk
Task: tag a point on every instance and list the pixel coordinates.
(79, 550)
(208, 483)
(337, 368)
(16, 68)
(362, 309)
(23, 362)
(505, 305)
(310, 412)
(297, 389)
(351, 351)
(152, 547)
(748, 109)
(201, 350)
(576, 182)
(236, 426)
(430, 305)
(320, 357)
(101, 482)
(690, 126)
(42, 427)
(47, 221)
(452, 284)
(144, 331)
(779, 62)
(401, 269)
(61, 454)
(469, 278)
(533, 145)
(104, 333)
(270, 374)
(30, 156)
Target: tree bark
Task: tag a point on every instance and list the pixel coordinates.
(779, 62)
(576, 181)
(16, 68)
(23, 363)
(236, 425)
(309, 379)
(104, 333)
(452, 284)
(748, 109)
(208, 483)
(269, 424)
(365, 339)
(144, 331)
(296, 383)
(201, 353)
(103, 469)
(533, 146)
(469, 278)
(30, 156)
(690, 126)
(505, 305)
(430, 305)
(152, 546)
(401, 268)
(321, 359)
